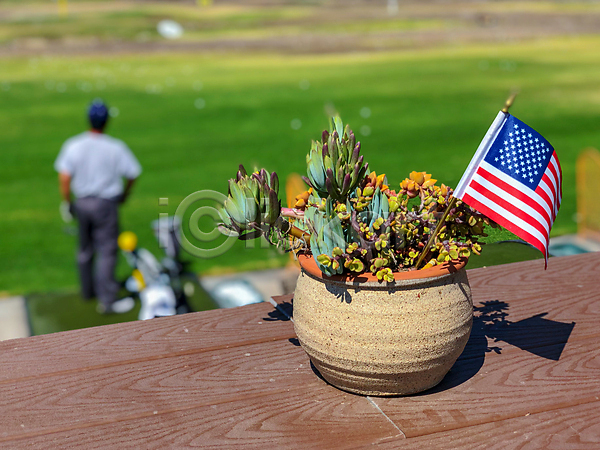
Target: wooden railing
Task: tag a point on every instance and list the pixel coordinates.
(530, 376)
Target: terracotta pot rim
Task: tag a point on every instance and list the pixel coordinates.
(309, 265)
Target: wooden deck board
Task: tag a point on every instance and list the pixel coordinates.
(576, 427)
(505, 386)
(303, 418)
(529, 378)
(137, 341)
(44, 403)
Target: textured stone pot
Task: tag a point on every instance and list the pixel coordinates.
(376, 338)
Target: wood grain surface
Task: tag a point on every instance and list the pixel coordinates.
(298, 419)
(137, 341)
(574, 427)
(529, 378)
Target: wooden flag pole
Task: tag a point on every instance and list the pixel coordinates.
(440, 224)
(435, 233)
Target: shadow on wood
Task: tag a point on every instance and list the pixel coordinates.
(542, 337)
(283, 312)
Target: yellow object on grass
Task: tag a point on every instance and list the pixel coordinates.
(137, 276)
(63, 8)
(127, 241)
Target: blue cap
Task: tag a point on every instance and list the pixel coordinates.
(98, 114)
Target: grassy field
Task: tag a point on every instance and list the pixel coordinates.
(192, 118)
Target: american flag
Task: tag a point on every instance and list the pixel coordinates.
(515, 179)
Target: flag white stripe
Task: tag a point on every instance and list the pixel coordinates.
(514, 201)
(554, 182)
(537, 198)
(554, 192)
(482, 150)
(507, 215)
(548, 191)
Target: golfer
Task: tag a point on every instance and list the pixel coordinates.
(92, 166)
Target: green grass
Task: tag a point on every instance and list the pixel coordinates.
(504, 252)
(430, 110)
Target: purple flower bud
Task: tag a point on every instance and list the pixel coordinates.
(329, 173)
(325, 150)
(329, 187)
(355, 154)
(346, 184)
(325, 136)
(263, 175)
(274, 182)
(274, 207)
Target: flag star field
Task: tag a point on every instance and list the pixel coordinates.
(520, 152)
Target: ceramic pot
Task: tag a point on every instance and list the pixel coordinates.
(374, 338)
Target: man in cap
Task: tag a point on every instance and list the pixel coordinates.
(93, 165)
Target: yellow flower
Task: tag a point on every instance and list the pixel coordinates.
(422, 179)
(302, 199)
(416, 182)
(377, 181)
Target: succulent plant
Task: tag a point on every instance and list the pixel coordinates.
(334, 164)
(350, 220)
(252, 203)
(327, 237)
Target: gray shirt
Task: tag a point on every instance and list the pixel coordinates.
(97, 164)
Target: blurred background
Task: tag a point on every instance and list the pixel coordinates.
(197, 87)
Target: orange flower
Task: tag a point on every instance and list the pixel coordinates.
(376, 181)
(416, 182)
(422, 179)
(302, 199)
(444, 190)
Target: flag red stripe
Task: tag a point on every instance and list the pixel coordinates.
(515, 193)
(557, 167)
(510, 208)
(499, 219)
(542, 193)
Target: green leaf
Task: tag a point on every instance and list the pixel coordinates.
(337, 125)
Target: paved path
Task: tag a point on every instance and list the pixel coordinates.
(267, 283)
(13, 318)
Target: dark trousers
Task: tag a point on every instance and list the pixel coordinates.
(98, 233)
